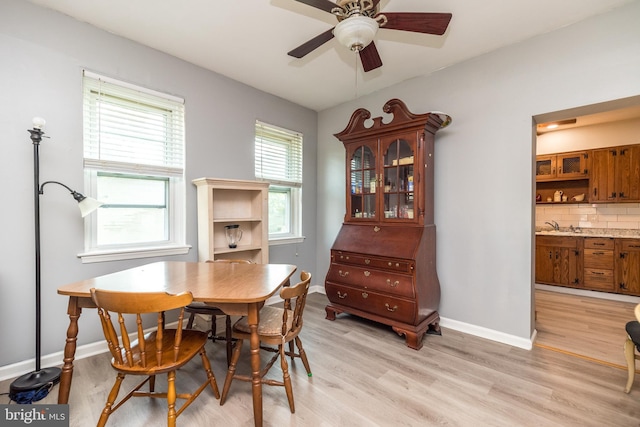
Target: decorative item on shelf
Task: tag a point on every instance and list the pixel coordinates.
(35, 385)
(233, 233)
(578, 197)
(549, 199)
(538, 197)
(557, 196)
(565, 198)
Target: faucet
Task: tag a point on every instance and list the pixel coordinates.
(554, 225)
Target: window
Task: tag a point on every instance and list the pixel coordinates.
(278, 160)
(134, 164)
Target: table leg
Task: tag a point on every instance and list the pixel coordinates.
(74, 311)
(256, 380)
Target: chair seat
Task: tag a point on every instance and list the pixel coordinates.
(633, 330)
(192, 342)
(270, 322)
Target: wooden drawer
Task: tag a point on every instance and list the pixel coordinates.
(377, 280)
(400, 265)
(557, 241)
(598, 279)
(598, 258)
(598, 243)
(397, 309)
(629, 244)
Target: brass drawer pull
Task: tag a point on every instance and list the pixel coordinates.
(344, 257)
(365, 295)
(343, 273)
(394, 284)
(367, 273)
(341, 295)
(376, 228)
(367, 261)
(394, 308)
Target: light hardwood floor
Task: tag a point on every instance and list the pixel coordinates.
(588, 327)
(364, 375)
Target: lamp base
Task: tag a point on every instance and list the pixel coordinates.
(35, 380)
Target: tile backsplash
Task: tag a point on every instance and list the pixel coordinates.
(590, 215)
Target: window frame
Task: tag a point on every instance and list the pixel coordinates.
(176, 206)
(293, 184)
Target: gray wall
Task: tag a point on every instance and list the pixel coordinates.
(484, 160)
(43, 54)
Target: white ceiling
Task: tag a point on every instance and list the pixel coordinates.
(248, 40)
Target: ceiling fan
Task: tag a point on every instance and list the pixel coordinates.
(358, 22)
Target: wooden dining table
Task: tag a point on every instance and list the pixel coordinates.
(237, 289)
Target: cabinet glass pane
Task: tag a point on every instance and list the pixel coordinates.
(398, 180)
(363, 183)
(571, 165)
(543, 167)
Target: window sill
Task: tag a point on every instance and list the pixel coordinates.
(286, 240)
(132, 253)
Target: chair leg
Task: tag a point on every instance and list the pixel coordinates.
(286, 378)
(171, 399)
(207, 368)
(231, 371)
(229, 339)
(152, 383)
(192, 316)
(110, 400)
(214, 327)
(303, 356)
(629, 355)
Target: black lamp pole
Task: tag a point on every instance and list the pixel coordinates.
(40, 377)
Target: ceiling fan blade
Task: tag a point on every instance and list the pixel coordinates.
(370, 57)
(428, 23)
(325, 5)
(312, 44)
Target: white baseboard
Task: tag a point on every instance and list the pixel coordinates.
(587, 293)
(489, 334)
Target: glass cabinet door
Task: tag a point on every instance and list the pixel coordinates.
(362, 183)
(398, 184)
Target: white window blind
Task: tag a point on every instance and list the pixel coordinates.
(130, 129)
(278, 155)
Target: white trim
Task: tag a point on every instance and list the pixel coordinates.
(132, 86)
(286, 240)
(588, 293)
(490, 334)
(133, 253)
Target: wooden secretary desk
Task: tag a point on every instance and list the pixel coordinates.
(383, 261)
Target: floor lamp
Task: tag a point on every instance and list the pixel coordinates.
(43, 378)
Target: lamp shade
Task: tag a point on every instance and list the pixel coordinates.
(356, 32)
(88, 205)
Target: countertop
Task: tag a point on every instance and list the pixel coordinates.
(618, 233)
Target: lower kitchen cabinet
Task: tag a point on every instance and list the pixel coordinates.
(591, 263)
(628, 266)
(598, 264)
(559, 260)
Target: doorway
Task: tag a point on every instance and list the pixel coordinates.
(583, 323)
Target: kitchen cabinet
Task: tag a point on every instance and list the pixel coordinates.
(559, 260)
(599, 264)
(615, 175)
(562, 166)
(628, 266)
(383, 258)
(225, 202)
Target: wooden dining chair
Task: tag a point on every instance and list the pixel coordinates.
(277, 327)
(208, 310)
(149, 354)
(630, 346)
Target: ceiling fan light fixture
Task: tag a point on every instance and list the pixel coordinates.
(356, 32)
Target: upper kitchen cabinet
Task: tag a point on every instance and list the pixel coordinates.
(563, 166)
(615, 175)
